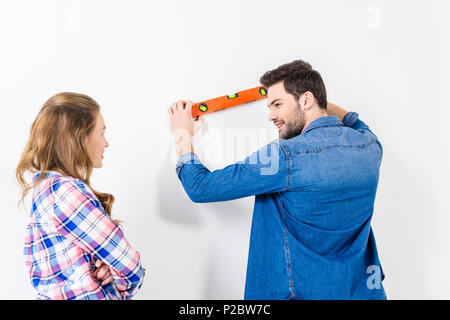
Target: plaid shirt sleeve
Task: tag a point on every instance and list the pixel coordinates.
(80, 217)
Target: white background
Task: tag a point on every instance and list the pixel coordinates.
(387, 60)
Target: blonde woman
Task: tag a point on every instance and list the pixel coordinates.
(73, 248)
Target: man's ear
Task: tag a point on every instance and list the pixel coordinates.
(306, 100)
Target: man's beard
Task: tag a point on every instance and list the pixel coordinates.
(295, 125)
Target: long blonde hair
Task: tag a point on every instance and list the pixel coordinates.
(58, 142)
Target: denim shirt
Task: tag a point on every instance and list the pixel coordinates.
(311, 236)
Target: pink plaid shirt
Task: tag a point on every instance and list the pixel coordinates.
(68, 231)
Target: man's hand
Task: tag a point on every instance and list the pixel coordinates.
(102, 272)
(181, 117)
(334, 110)
(183, 126)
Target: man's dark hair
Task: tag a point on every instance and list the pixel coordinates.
(298, 77)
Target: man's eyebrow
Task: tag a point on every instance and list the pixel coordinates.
(274, 101)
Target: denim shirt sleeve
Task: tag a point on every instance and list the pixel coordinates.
(264, 171)
(352, 120)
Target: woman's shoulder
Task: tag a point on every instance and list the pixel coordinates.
(55, 180)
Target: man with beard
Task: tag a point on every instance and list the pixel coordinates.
(311, 236)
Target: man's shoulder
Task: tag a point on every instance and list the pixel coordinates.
(326, 138)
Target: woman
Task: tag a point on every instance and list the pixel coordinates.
(73, 249)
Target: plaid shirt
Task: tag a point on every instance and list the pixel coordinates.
(68, 231)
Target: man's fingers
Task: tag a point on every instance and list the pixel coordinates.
(180, 105)
(173, 108)
(189, 105)
(177, 106)
(198, 123)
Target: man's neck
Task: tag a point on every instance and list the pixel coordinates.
(314, 116)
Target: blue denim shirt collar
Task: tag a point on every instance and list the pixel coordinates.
(328, 121)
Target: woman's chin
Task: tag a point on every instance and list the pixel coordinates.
(98, 165)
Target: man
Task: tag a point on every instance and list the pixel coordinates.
(311, 236)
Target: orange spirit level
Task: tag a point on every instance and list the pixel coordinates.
(225, 102)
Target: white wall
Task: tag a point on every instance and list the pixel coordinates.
(387, 60)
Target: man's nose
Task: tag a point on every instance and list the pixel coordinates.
(272, 115)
